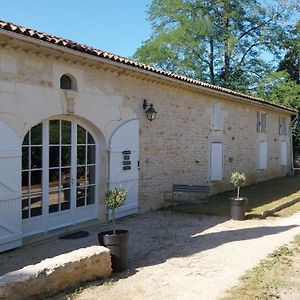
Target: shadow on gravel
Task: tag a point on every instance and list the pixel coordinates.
(153, 239)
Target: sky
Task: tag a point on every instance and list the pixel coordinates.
(116, 26)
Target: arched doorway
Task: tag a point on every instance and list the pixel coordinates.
(59, 175)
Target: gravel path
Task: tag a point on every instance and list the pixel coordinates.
(174, 257)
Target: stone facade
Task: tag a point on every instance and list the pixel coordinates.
(174, 148)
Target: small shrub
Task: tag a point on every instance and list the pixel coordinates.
(114, 199)
(238, 179)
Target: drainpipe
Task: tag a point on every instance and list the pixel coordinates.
(296, 122)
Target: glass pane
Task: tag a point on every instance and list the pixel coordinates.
(54, 179)
(66, 177)
(25, 182)
(81, 135)
(65, 198)
(36, 181)
(26, 139)
(37, 134)
(65, 132)
(91, 155)
(36, 205)
(65, 156)
(90, 195)
(90, 139)
(81, 176)
(53, 202)
(25, 207)
(36, 157)
(25, 158)
(81, 155)
(54, 156)
(91, 174)
(80, 196)
(54, 126)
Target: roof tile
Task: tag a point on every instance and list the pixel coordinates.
(8, 26)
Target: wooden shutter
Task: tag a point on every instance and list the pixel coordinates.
(283, 153)
(217, 116)
(216, 161)
(10, 189)
(262, 155)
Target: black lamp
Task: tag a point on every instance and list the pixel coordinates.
(149, 110)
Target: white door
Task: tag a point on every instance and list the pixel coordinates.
(10, 189)
(123, 164)
(216, 161)
(58, 176)
(262, 155)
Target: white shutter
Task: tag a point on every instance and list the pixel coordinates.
(262, 155)
(217, 116)
(123, 165)
(10, 189)
(283, 153)
(216, 161)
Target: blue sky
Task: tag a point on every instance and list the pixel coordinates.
(117, 26)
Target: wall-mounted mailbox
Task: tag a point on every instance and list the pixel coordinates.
(126, 160)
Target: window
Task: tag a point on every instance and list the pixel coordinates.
(261, 122)
(58, 162)
(68, 82)
(262, 155)
(217, 116)
(216, 161)
(282, 126)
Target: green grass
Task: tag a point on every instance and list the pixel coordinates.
(272, 274)
(261, 196)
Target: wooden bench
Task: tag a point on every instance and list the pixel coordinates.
(188, 189)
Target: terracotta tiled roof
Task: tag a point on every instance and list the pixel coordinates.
(8, 26)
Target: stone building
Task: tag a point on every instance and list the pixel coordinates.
(73, 124)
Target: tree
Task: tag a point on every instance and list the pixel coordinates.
(277, 87)
(223, 42)
(291, 60)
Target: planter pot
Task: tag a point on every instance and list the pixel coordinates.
(238, 208)
(117, 244)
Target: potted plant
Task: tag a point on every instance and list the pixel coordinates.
(115, 240)
(238, 204)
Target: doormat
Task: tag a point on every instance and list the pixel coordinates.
(74, 235)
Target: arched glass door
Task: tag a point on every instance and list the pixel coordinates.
(58, 176)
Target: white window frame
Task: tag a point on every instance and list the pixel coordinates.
(261, 122)
(217, 116)
(282, 126)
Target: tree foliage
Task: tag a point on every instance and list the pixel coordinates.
(222, 42)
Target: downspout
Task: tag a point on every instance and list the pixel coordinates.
(296, 120)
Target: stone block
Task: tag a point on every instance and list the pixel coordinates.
(56, 274)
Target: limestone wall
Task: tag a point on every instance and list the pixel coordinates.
(174, 148)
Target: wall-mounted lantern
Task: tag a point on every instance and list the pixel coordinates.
(149, 110)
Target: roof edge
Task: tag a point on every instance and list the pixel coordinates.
(46, 40)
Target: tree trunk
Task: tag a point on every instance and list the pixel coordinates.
(226, 45)
(211, 62)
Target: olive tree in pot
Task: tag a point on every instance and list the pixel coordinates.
(115, 240)
(238, 204)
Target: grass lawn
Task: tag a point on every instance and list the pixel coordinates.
(274, 276)
(261, 196)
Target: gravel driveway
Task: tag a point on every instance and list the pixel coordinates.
(179, 256)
